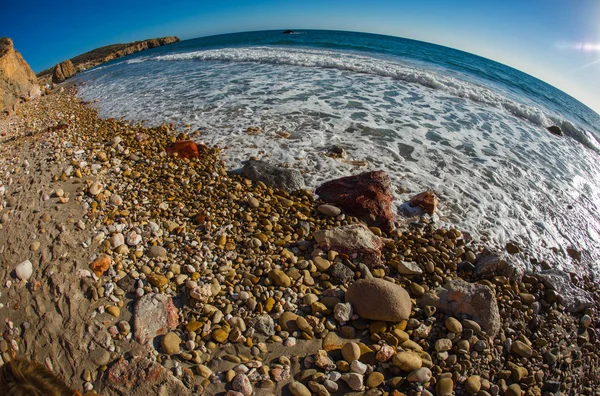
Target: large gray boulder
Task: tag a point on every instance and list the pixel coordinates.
(573, 298)
(490, 264)
(285, 179)
(458, 297)
(378, 299)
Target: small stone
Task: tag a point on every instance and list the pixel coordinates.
(35, 245)
(242, 384)
(157, 280)
(521, 349)
(513, 390)
(318, 389)
(453, 325)
(280, 278)
(114, 311)
(95, 188)
(332, 342)
(358, 367)
(443, 345)
(407, 361)
(375, 379)
(264, 324)
(116, 200)
(298, 389)
(24, 270)
(100, 357)
(409, 268)
(585, 321)
(342, 312)
(473, 384)
(170, 343)
(157, 252)
(354, 381)
(329, 210)
(444, 387)
(220, 335)
(321, 263)
(421, 375)
(351, 352)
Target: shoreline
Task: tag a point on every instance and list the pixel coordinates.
(208, 231)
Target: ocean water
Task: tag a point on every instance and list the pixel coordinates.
(471, 129)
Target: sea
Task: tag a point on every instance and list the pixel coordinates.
(469, 128)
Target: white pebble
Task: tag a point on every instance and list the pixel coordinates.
(24, 270)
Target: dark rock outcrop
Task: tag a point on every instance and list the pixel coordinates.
(17, 80)
(105, 54)
(285, 179)
(367, 196)
(289, 32)
(555, 130)
(62, 71)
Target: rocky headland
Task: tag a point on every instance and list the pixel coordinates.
(70, 67)
(17, 80)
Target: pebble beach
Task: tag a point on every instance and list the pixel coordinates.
(131, 267)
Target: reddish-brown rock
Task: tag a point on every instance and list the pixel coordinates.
(184, 149)
(101, 265)
(140, 377)
(367, 196)
(62, 71)
(427, 201)
(17, 80)
(154, 315)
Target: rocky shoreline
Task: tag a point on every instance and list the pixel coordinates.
(135, 263)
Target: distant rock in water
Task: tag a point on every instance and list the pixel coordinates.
(17, 80)
(285, 179)
(62, 71)
(101, 55)
(555, 130)
(289, 32)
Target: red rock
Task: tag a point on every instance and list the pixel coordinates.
(154, 315)
(427, 201)
(184, 149)
(367, 196)
(101, 265)
(140, 376)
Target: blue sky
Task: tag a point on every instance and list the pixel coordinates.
(557, 41)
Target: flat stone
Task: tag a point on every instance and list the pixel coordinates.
(157, 252)
(409, 268)
(298, 389)
(351, 352)
(321, 263)
(153, 315)
(421, 375)
(375, 379)
(332, 342)
(521, 349)
(444, 387)
(453, 325)
(329, 210)
(100, 357)
(407, 361)
(378, 299)
(280, 278)
(473, 384)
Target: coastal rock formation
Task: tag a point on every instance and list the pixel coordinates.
(378, 299)
(99, 56)
(62, 71)
(367, 196)
(285, 179)
(458, 297)
(355, 240)
(17, 80)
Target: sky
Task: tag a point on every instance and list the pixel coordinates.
(557, 41)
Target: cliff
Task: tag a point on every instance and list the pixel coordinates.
(17, 80)
(104, 54)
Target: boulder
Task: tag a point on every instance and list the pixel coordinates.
(490, 264)
(378, 299)
(139, 377)
(184, 149)
(555, 130)
(458, 297)
(17, 80)
(367, 196)
(426, 200)
(154, 315)
(573, 298)
(62, 71)
(355, 240)
(285, 179)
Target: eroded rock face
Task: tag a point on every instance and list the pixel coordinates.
(62, 71)
(378, 299)
(570, 296)
(367, 196)
(355, 240)
(458, 297)
(17, 80)
(140, 377)
(285, 179)
(154, 315)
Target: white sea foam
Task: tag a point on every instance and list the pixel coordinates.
(498, 172)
